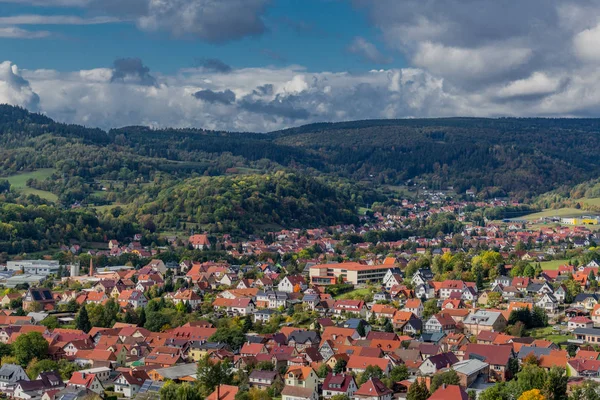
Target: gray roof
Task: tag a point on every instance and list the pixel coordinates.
(537, 351)
(432, 337)
(587, 331)
(482, 317)
(304, 337)
(469, 367)
(265, 311)
(178, 371)
(257, 374)
(8, 373)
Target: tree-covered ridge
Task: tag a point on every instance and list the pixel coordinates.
(519, 155)
(237, 204)
(498, 157)
(28, 226)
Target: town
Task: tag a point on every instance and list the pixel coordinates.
(332, 313)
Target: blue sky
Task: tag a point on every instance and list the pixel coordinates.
(263, 65)
(313, 33)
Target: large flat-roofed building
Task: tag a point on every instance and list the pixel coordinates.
(351, 272)
(34, 267)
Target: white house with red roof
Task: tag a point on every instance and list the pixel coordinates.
(292, 283)
(199, 242)
(339, 384)
(133, 298)
(187, 296)
(86, 380)
(373, 389)
(350, 306)
(580, 322)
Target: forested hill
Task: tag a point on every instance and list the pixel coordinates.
(520, 157)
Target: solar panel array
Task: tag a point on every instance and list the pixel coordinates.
(150, 386)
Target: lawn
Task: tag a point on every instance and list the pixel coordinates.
(590, 202)
(561, 212)
(354, 294)
(548, 333)
(19, 182)
(553, 265)
(363, 210)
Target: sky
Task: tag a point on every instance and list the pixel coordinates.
(263, 65)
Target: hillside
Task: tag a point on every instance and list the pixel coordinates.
(498, 157)
(517, 156)
(245, 204)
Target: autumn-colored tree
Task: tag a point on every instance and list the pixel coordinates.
(533, 394)
(531, 359)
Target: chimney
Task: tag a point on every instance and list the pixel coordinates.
(218, 392)
(91, 267)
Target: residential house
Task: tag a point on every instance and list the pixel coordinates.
(497, 357)
(85, 380)
(415, 306)
(132, 298)
(548, 303)
(188, 296)
(300, 383)
(421, 277)
(129, 383)
(470, 371)
(199, 242)
(437, 362)
(10, 374)
(392, 277)
(587, 335)
(483, 320)
(302, 340)
(580, 322)
(262, 379)
(440, 322)
(373, 389)
(41, 296)
(238, 306)
(357, 307)
(292, 284)
(446, 392)
(224, 392)
(339, 384)
(449, 287)
(5, 302)
(32, 390)
(358, 364)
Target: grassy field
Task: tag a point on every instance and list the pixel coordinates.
(553, 265)
(354, 293)
(590, 202)
(19, 182)
(561, 212)
(548, 333)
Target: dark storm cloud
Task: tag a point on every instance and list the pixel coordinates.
(132, 70)
(225, 97)
(285, 107)
(214, 65)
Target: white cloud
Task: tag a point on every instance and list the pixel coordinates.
(210, 20)
(538, 84)
(368, 51)
(469, 63)
(587, 44)
(12, 32)
(264, 99)
(14, 89)
(32, 19)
